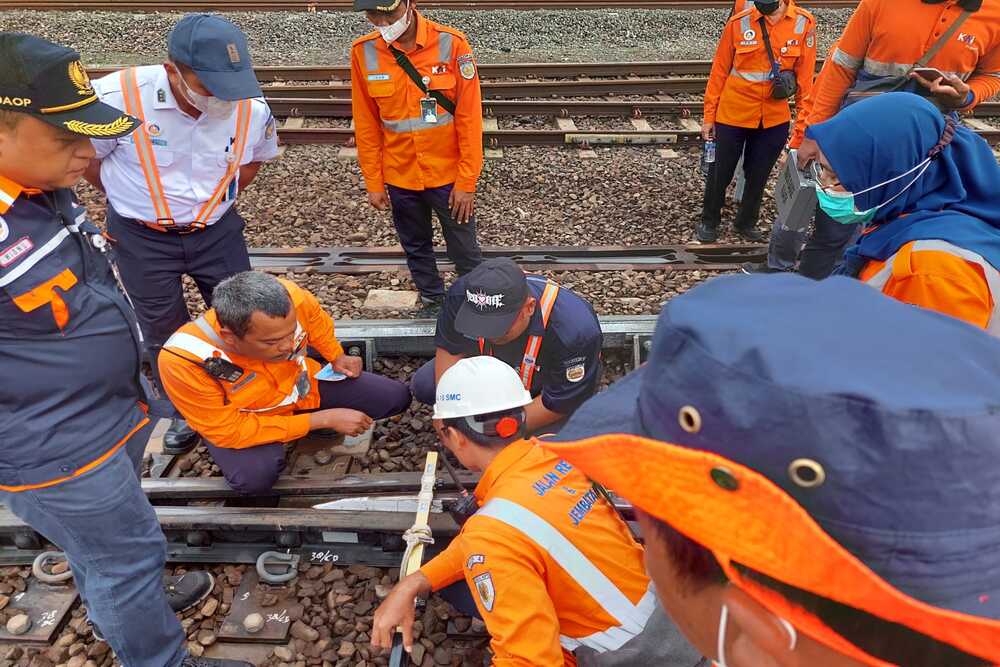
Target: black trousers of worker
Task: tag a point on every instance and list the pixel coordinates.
(411, 214)
(760, 148)
(152, 264)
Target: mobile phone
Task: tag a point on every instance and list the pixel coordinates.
(930, 73)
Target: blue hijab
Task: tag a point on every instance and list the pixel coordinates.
(957, 199)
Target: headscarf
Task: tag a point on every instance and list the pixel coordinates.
(957, 199)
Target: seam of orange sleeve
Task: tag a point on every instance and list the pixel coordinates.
(298, 426)
(439, 574)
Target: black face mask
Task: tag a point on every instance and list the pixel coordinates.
(766, 8)
(968, 5)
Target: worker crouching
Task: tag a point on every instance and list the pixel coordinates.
(240, 374)
(553, 570)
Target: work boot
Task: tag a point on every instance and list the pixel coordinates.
(706, 233)
(187, 590)
(192, 661)
(179, 438)
(751, 234)
(431, 307)
(754, 267)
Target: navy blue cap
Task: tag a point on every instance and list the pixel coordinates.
(899, 405)
(495, 291)
(217, 52)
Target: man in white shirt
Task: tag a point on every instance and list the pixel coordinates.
(172, 185)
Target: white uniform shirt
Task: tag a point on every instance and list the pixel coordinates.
(192, 155)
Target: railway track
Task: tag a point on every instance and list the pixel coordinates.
(346, 5)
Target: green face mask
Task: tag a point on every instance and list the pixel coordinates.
(840, 205)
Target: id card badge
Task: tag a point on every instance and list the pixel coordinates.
(428, 109)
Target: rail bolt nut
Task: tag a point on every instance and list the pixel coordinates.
(253, 623)
(19, 624)
(323, 456)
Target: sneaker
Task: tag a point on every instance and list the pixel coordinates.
(192, 661)
(706, 233)
(431, 307)
(753, 267)
(187, 590)
(750, 234)
(179, 438)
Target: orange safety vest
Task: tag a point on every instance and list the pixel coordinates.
(530, 359)
(147, 158)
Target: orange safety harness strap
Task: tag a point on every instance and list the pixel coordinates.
(534, 344)
(147, 159)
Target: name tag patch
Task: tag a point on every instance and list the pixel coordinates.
(15, 252)
(378, 77)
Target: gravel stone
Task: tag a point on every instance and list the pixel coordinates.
(19, 624)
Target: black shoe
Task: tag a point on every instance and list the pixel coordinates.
(706, 233)
(750, 234)
(431, 307)
(179, 438)
(763, 267)
(187, 590)
(192, 661)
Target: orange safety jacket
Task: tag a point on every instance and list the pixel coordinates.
(395, 143)
(551, 565)
(259, 407)
(739, 87)
(530, 360)
(943, 277)
(886, 37)
(147, 157)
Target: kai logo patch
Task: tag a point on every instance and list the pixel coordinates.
(485, 589)
(78, 75)
(474, 560)
(966, 38)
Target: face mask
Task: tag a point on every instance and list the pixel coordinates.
(393, 31)
(767, 8)
(840, 205)
(793, 636)
(211, 106)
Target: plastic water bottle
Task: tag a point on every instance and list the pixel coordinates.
(708, 157)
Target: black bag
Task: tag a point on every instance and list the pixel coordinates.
(411, 71)
(784, 84)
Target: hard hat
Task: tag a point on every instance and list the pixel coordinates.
(479, 386)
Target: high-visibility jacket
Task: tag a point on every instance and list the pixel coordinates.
(551, 565)
(396, 145)
(70, 346)
(258, 407)
(739, 87)
(941, 276)
(886, 37)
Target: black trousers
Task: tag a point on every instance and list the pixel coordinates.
(760, 148)
(152, 264)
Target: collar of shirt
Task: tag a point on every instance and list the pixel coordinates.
(10, 190)
(423, 31)
(503, 461)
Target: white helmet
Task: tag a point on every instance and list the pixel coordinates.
(479, 386)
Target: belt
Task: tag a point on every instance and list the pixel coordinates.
(172, 227)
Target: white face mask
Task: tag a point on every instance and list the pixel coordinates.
(212, 107)
(793, 637)
(393, 31)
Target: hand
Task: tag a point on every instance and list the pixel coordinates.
(397, 611)
(461, 205)
(708, 131)
(808, 151)
(348, 365)
(950, 91)
(379, 200)
(341, 420)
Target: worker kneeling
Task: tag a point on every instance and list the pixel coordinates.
(556, 575)
(240, 376)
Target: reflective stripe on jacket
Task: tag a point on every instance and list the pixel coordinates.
(551, 565)
(258, 407)
(942, 277)
(739, 86)
(396, 145)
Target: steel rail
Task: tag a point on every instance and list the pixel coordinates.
(499, 138)
(347, 5)
(566, 108)
(536, 258)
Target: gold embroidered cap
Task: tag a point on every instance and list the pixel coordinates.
(49, 82)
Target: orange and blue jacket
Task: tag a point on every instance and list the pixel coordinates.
(739, 86)
(886, 37)
(551, 565)
(260, 406)
(395, 143)
(937, 275)
(71, 391)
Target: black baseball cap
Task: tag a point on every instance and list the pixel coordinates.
(376, 5)
(217, 51)
(494, 293)
(48, 81)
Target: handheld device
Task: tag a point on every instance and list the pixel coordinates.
(930, 73)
